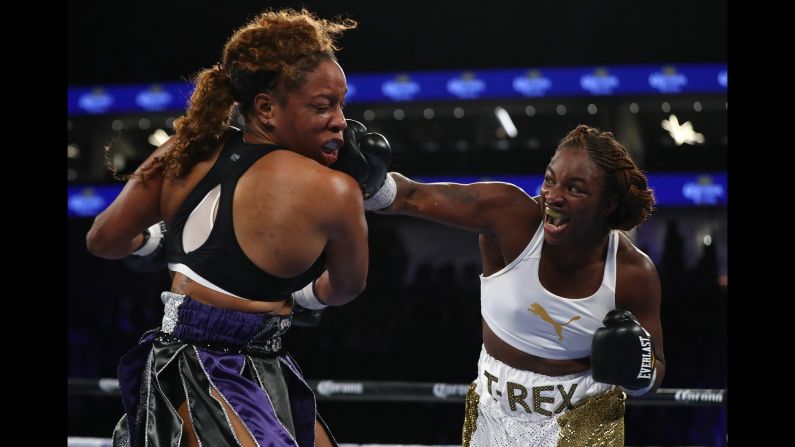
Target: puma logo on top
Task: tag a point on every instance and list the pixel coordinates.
(541, 312)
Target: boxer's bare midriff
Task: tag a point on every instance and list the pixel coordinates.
(183, 285)
(521, 360)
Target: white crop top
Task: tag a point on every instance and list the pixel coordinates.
(522, 313)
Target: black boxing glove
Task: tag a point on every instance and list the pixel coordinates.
(150, 256)
(307, 307)
(622, 353)
(366, 156)
(306, 317)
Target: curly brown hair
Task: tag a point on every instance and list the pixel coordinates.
(622, 176)
(272, 53)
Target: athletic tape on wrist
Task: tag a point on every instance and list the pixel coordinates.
(306, 298)
(152, 236)
(383, 197)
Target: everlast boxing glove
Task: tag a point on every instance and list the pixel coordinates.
(622, 353)
(151, 255)
(366, 156)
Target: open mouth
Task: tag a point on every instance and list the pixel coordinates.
(555, 218)
(330, 150)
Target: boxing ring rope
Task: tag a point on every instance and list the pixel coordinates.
(380, 391)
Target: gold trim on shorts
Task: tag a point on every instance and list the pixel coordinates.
(470, 415)
(595, 422)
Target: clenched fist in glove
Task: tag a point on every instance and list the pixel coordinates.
(622, 353)
(366, 156)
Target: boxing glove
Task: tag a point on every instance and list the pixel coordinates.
(366, 157)
(150, 256)
(306, 317)
(307, 307)
(622, 353)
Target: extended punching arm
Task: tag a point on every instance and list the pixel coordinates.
(366, 157)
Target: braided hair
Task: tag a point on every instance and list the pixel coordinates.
(621, 175)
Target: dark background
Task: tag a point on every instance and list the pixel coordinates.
(419, 319)
(148, 41)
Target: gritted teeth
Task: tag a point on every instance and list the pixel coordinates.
(556, 217)
(553, 213)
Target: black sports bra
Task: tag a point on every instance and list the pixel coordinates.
(220, 259)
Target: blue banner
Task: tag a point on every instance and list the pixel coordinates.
(90, 200)
(444, 85)
(676, 189)
(129, 98)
